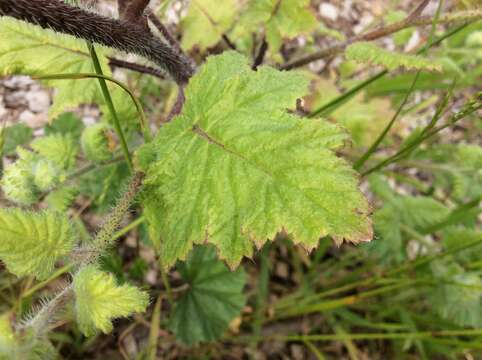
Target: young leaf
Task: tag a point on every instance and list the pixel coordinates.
(99, 300)
(95, 143)
(58, 148)
(235, 168)
(206, 21)
(61, 199)
(366, 52)
(33, 241)
(213, 300)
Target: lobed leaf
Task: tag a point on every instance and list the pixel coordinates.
(99, 300)
(58, 148)
(214, 298)
(235, 168)
(31, 242)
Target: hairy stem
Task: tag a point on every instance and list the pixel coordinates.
(105, 236)
(45, 315)
(122, 35)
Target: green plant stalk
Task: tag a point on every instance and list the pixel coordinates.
(369, 336)
(154, 330)
(314, 350)
(262, 290)
(63, 270)
(335, 103)
(166, 283)
(361, 161)
(454, 216)
(345, 301)
(128, 228)
(137, 103)
(110, 105)
(470, 108)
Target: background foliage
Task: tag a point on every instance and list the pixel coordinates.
(305, 125)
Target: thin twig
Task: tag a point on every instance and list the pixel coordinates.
(261, 54)
(113, 62)
(381, 32)
(164, 32)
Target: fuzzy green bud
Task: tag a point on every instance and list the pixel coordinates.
(18, 185)
(46, 175)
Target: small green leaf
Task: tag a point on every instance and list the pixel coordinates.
(61, 199)
(31, 242)
(58, 148)
(15, 135)
(280, 19)
(46, 175)
(366, 52)
(95, 143)
(214, 298)
(235, 168)
(99, 300)
(67, 123)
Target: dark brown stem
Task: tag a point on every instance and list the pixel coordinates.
(113, 62)
(164, 32)
(261, 54)
(228, 42)
(60, 17)
(133, 12)
(177, 108)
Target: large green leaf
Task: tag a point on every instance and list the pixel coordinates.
(213, 300)
(236, 168)
(31, 243)
(98, 300)
(206, 21)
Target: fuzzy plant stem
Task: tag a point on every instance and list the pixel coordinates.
(119, 34)
(105, 236)
(102, 241)
(39, 323)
